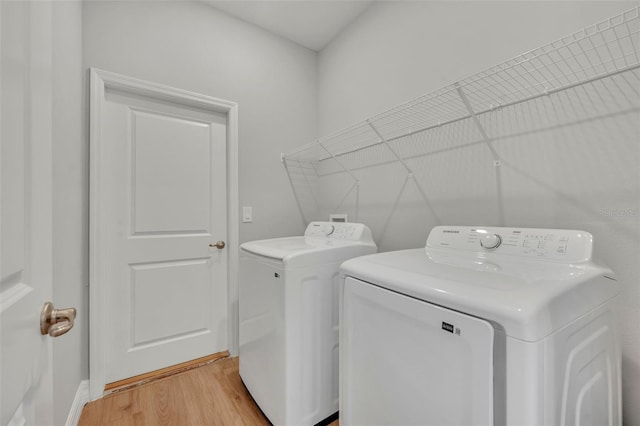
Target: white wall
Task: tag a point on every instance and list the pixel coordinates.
(582, 176)
(70, 205)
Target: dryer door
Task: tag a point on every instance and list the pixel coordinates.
(407, 362)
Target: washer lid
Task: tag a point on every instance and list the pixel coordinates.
(281, 248)
(528, 298)
(305, 251)
(323, 242)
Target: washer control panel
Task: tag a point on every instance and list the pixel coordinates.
(338, 231)
(552, 244)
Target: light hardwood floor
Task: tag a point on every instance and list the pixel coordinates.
(209, 395)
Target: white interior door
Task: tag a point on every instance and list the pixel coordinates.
(159, 205)
(25, 212)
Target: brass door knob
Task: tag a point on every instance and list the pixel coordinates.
(56, 322)
(218, 245)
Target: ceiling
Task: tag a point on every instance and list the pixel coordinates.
(310, 23)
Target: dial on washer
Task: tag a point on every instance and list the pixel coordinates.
(490, 241)
(328, 229)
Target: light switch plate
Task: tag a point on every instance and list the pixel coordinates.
(247, 214)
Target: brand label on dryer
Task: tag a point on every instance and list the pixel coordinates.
(450, 328)
(447, 327)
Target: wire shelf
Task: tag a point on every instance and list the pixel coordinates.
(608, 50)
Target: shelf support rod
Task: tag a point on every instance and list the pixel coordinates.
(384, 141)
(295, 193)
(476, 121)
(355, 179)
(339, 163)
(358, 202)
(487, 140)
(354, 186)
(408, 169)
(393, 210)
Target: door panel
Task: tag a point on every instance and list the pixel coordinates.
(150, 322)
(163, 196)
(171, 161)
(25, 211)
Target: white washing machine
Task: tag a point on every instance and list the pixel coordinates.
(488, 326)
(288, 308)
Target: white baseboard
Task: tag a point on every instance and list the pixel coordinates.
(82, 397)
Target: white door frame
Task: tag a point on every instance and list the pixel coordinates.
(100, 82)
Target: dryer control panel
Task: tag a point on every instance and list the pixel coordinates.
(551, 244)
(339, 231)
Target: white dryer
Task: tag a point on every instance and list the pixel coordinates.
(488, 326)
(288, 309)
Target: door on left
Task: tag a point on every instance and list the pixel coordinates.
(26, 387)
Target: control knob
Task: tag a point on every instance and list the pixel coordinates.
(328, 230)
(490, 241)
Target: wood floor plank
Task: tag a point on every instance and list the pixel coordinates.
(241, 401)
(214, 406)
(211, 394)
